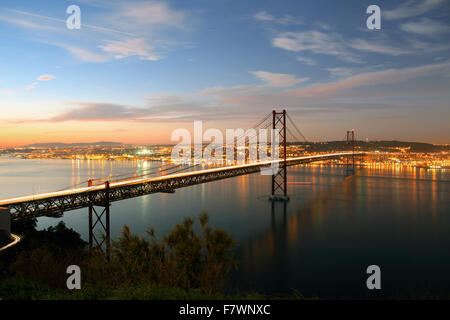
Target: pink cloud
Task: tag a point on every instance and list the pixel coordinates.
(45, 77)
(372, 78)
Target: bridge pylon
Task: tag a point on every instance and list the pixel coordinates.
(101, 219)
(350, 163)
(279, 179)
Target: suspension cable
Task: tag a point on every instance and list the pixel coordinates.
(296, 128)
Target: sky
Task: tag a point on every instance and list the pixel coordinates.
(137, 70)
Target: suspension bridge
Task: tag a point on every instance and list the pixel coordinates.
(101, 195)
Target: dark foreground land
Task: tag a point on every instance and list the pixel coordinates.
(183, 265)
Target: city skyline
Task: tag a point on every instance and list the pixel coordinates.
(138, 70)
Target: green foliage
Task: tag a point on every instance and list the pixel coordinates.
(184, 265)
(183, 259)
(22, 290)
(42, 256)
(16, 290)
(149, 292)
(45, 265)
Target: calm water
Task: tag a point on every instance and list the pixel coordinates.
(320, 244)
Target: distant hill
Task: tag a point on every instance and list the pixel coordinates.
(312, 146)
(376, 145)
(80, 144)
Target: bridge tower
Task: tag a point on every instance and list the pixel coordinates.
(350, 164)
(100, 218)
(279, 179)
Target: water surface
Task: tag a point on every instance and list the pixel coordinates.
(319, 243)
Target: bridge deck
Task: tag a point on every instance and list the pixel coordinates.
(56, 203)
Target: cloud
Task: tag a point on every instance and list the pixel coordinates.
(333, 44)
(150, 13)
(130, 47)
(278, 79)
(44, 26)
(340, 72)
(308, 61)
(423, 83)
(7, 92)
(412, 8)
(263, 16)
(137, 13)
(123, 29)
(376, 47)
(266, 17)
(45, 77)
(32, 85)
(84, 55)
(29, 24)
(316, 42)
(323, 25)
(425, 27)
(247, 100)
(87, 111)
(383, 77)
(425, 46)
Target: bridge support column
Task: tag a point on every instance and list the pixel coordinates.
(350, 163)
(101, 219)
(279, 179)
(5, 226)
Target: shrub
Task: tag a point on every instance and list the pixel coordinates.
(183, 259)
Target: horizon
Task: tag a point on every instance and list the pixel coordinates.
(138, 70)
(205, 143)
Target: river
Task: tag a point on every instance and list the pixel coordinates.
(319, 244)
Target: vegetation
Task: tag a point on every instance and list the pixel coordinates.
(183, 265)
(183, 259)
(19, 290)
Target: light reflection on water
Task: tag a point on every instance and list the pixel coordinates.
(319, 244)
